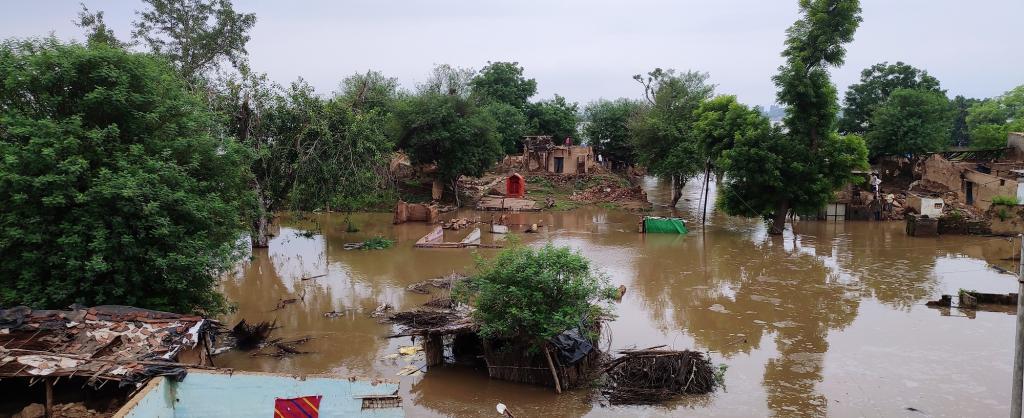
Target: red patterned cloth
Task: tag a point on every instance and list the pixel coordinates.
(304, 407)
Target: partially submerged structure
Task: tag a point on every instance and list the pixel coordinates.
(541, 154)
(415, 212)
(92, 347)
(435, 239)
(207, 393)
(661, 225)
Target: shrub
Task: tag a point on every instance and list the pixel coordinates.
(535, 294)
(1004, 200)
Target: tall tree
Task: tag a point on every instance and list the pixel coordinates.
(911, 122)
(607, 129)
(510, 125)
(504, 82)
(113, 189)
(197, 36)
(556, 117)
(877, 82)
(771, 174)
(992, 119)
(663, 132)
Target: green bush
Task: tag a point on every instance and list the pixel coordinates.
(1004, 200)
(377, 243)
(534, 294)
(112, 187)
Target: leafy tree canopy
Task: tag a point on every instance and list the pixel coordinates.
(607, 129)
(451, 131)
(721, 121)
(991, 120)
(369, 91)
(910, 122)
(535, 294)
(556, 117)
(197, 36)
(511, 125)
(876, 84)
(504, 82)
(113, 189)
(960, 134)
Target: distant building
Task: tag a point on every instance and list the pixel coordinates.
(541, 154)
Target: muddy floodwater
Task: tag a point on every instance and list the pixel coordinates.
(829, 319)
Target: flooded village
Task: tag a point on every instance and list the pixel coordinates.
(186, 236)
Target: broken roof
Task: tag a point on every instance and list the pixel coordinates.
(981, 155)
(105, 342)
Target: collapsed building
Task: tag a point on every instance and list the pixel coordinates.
(978, 176)
(111, 350)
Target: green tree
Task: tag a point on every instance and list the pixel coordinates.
(663, 132)
(511, 125)
(113, 189)
(535, 294)
(97, 31)
(720, 122)
(307, 152)
(991, 120)
(369, 91)
(770, 174)
(197, 36)
(960, 135)
(556, 117)
(504, 82)
(607, 129)
(448, 129)
(911, 122)
(876, 84)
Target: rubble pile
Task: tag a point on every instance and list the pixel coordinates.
(109, 342)
(459, 223)
(609, 192)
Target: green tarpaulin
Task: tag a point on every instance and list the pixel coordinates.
(656, 225)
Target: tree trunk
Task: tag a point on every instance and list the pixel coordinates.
(260, 231)
(677, 190)
(779, 218)
(455, 190)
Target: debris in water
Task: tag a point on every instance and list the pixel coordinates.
(653, 375)
(249, 336)
(382, 310)
(944, 302)
(410, 350)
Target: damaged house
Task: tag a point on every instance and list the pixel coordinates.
(541, 154)
(47, 357)
(978, 176)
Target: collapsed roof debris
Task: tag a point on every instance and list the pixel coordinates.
(110, 342)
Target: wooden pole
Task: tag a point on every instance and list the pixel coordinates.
(554, 374)
(49, 397)
(707, 176)
(1018, 352)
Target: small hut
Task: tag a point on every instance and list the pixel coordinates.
(565, 362)
(515, 186)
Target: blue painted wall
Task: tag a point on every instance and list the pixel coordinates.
(204, 394)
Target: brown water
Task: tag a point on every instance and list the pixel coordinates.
(828, 319)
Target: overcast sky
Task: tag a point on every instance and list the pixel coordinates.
(589, 49)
